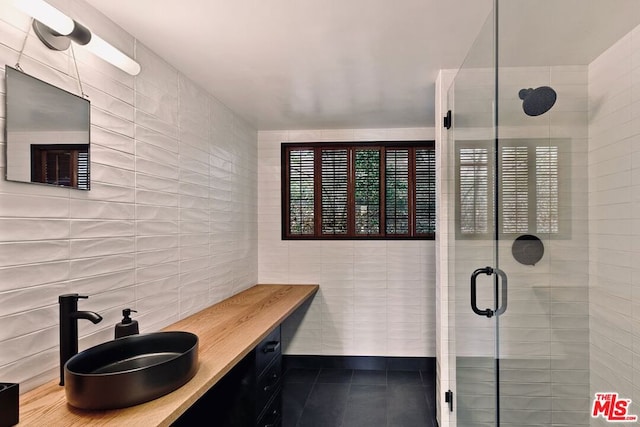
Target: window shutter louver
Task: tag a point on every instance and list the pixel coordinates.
(425, 186)
(474, 190)
(83, 170)
(367, 192)
(514, 189)
(334, 191)
(547, 190)
(301, 192)
(397, 191)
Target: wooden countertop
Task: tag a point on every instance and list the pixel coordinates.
(227, 331)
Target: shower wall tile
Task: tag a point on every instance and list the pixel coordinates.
(377, 298)
(613, 213)
(152, 233)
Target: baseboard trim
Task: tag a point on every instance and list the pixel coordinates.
(360, 362)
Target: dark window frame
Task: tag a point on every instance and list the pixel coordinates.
(351, 147)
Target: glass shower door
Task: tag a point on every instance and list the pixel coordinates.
(475, 288)
(542, 169)
(519, 345)
(518, 234)
(542, 216)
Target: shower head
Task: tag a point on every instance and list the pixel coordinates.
(537, 101)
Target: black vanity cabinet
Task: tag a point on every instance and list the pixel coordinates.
(249, 395)
(268, 390)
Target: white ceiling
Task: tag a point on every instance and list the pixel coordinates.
(310, 64)
(320, 64)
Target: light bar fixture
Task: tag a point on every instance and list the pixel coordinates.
(56, 30)
(104, 50)
(47, 14)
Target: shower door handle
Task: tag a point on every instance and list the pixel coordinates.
(474, 305)
(501, 277)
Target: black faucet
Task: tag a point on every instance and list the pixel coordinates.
(69, 316)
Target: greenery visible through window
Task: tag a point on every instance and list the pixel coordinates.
(530, 188)
(359, 190)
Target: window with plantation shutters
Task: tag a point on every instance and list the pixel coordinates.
(301, 192)
(397, 191)
(367, 191)
(358, 191)
(65, 165)
(425, 190)
(333, 182)
(529, 188)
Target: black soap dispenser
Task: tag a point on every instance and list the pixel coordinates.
(127, 326)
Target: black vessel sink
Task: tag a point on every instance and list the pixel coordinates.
(130, 370)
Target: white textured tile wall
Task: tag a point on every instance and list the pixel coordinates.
(377, 298)
(169, 226)
(614, 220)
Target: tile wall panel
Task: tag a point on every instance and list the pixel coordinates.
(376, 298)
(169, 226)
(614, 165)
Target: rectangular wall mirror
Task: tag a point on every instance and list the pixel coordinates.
(47, 133)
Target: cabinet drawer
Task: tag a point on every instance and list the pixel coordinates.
(272, 417)
(268, 384)
(267, 350)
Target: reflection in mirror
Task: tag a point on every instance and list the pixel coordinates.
(47, 133)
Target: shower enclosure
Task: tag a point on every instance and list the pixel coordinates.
(540, 217)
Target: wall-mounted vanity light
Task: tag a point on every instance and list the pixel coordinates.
(56, 30)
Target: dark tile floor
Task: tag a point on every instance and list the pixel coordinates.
(358, 398)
